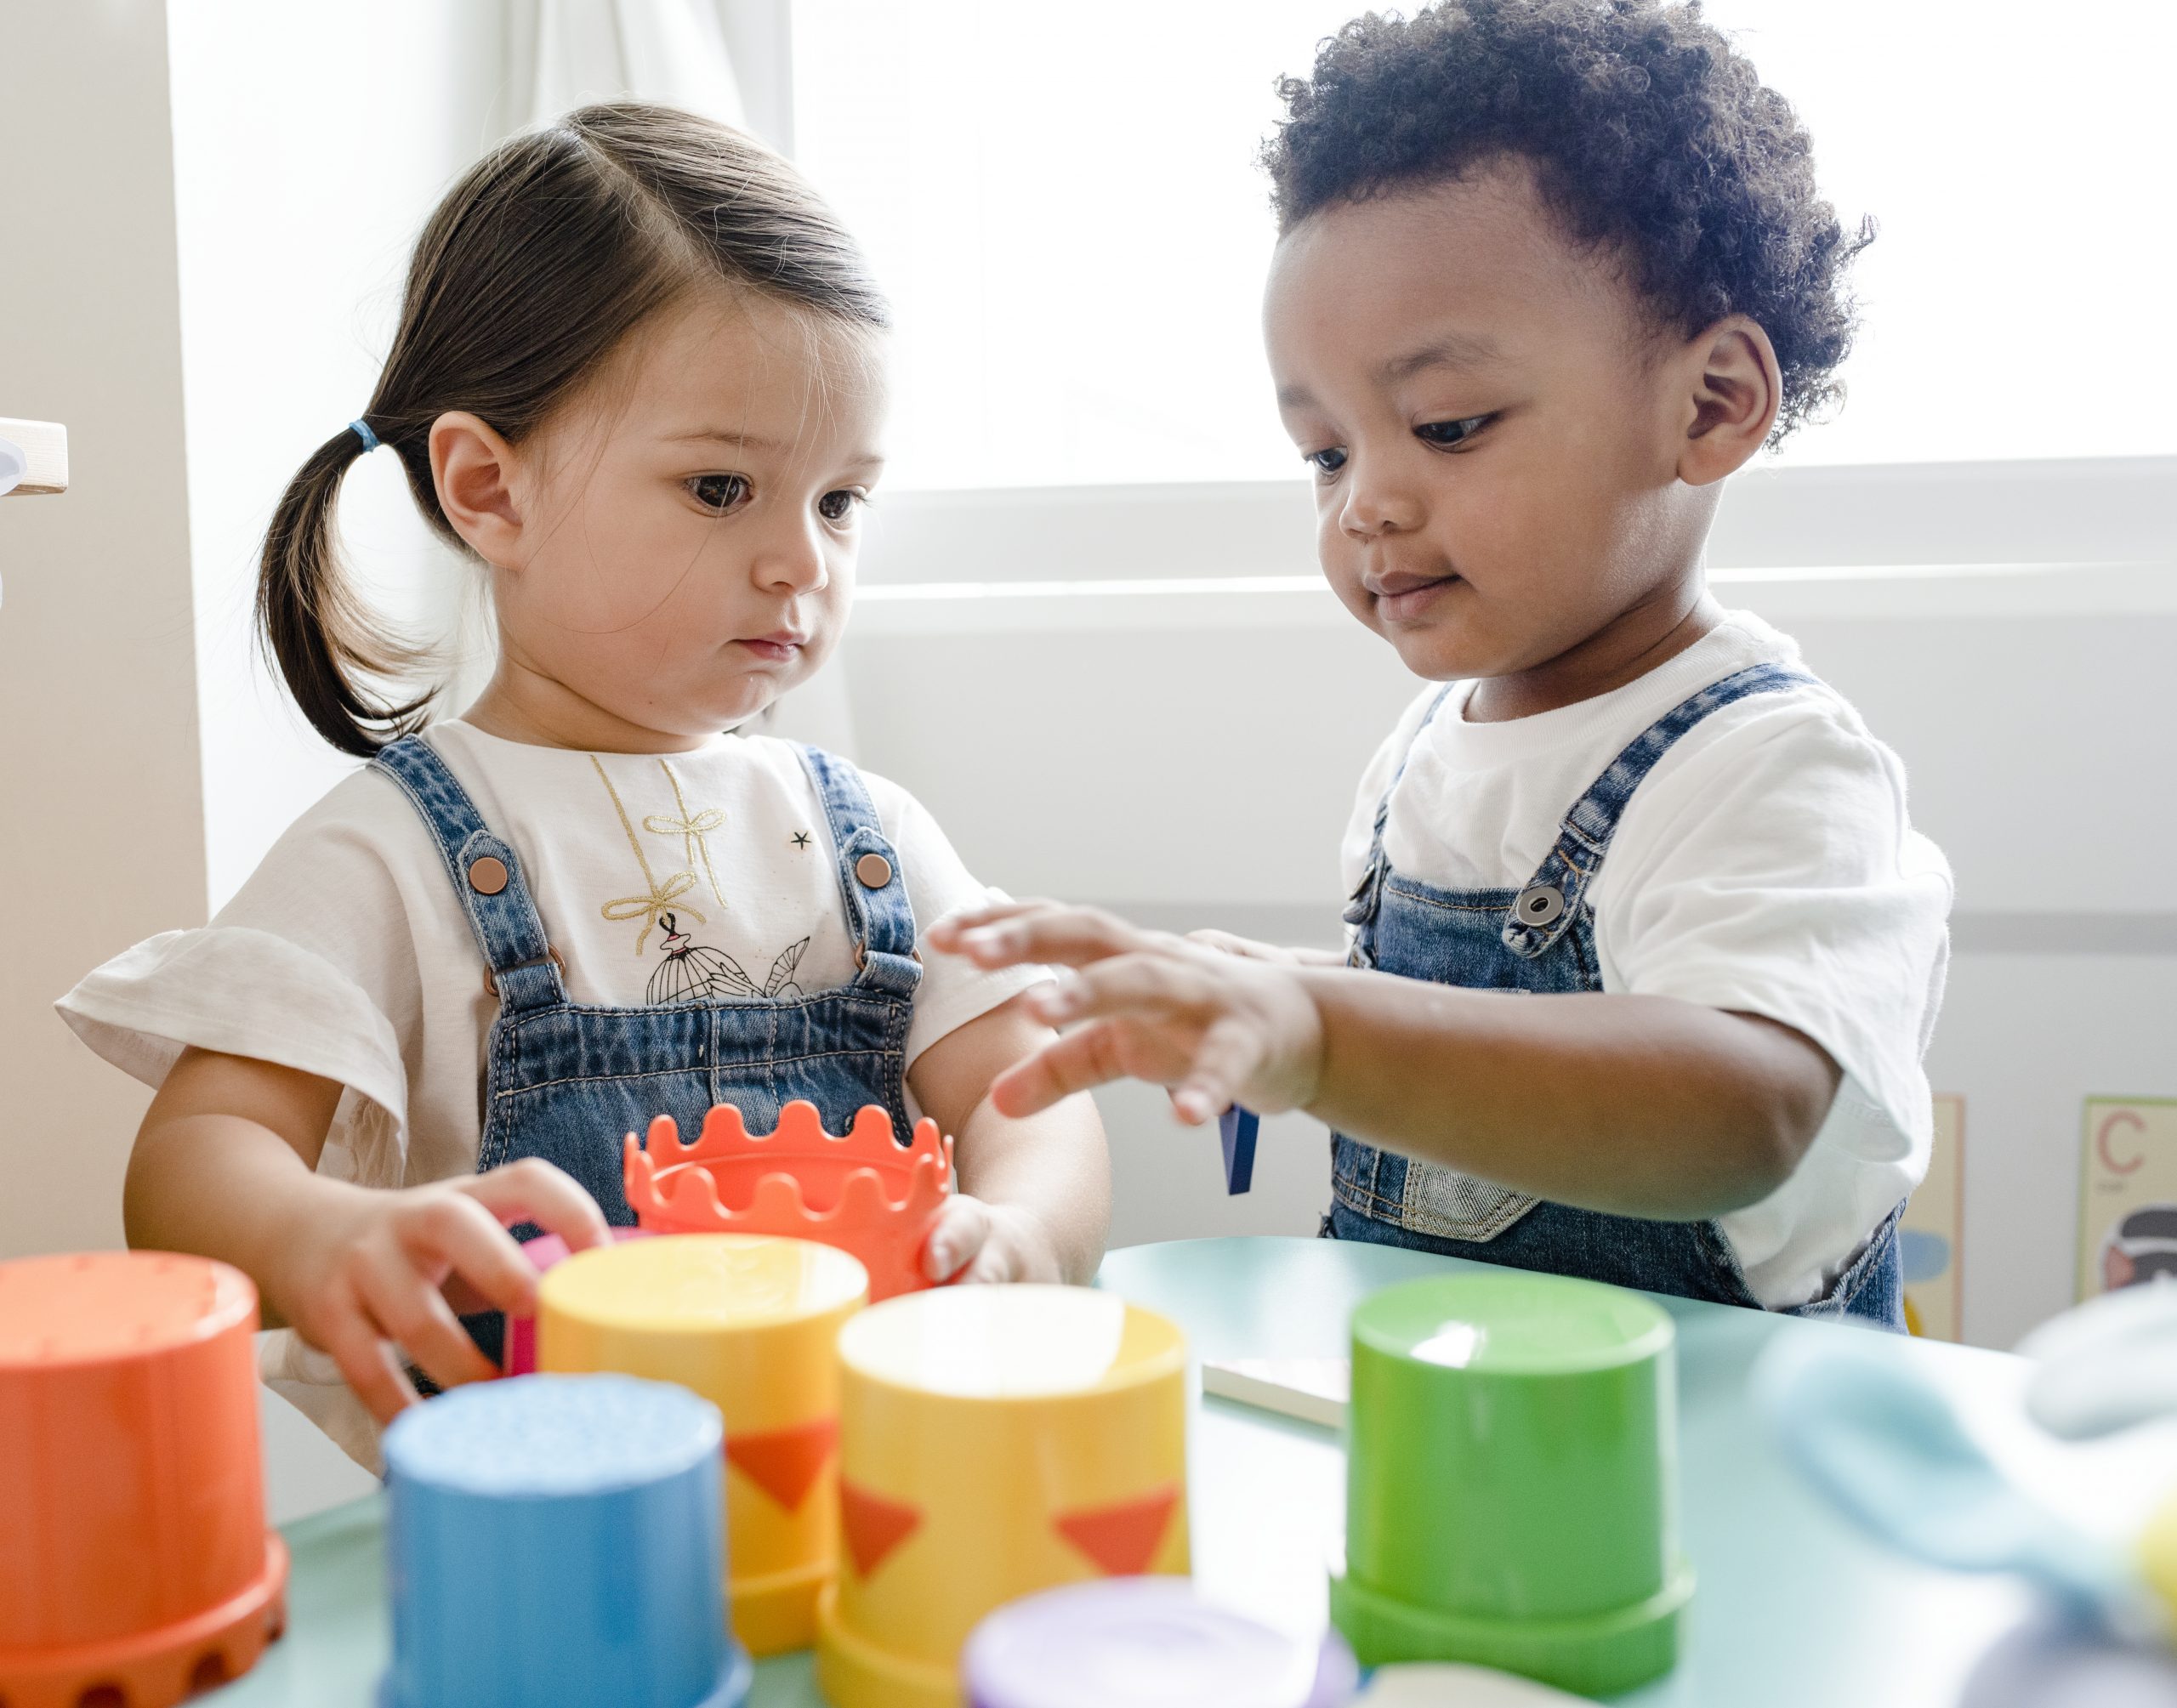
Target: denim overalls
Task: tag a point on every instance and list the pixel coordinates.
(1541, 938)
(565, 1081)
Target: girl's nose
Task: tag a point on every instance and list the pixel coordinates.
(793, 561)
(1378, 503)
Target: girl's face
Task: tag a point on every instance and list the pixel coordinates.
(676, 546)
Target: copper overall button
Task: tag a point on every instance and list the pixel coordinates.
(1539, 904)
(487, 876)
(874, 870)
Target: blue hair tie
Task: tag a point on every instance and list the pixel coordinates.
(361, 429)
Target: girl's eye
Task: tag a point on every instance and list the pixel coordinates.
(720, 494)
(1326, 462)
(1444, 434)
(837, 507)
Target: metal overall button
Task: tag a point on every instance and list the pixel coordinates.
(487, 876)
(874, 870)
(1539, 904)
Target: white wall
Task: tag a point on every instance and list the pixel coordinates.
(101, 840)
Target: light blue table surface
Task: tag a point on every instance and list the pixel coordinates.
(1792, 1606)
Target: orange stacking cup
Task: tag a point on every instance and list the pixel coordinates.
(134, 1563)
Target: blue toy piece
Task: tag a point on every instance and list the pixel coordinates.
(555, 1541)
(1235, 1129)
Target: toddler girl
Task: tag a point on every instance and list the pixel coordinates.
(639, 375)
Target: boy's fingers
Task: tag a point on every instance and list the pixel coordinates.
(1136, 985)
(1083, 1059)
(533, 1190)
(1055, 936)
(969, 919)
(411, 1312)
(369, 1365)
(1229, 1053)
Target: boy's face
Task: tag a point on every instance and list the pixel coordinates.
(1493, 424)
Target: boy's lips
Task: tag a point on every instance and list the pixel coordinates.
(1401, 598)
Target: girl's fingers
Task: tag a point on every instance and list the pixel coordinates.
(533, 1190)
(958, 1238)
(410, 1312)
(458, 1231)
(366, 1362)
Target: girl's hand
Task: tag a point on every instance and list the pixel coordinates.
(377, 1270)
(1215, 1028)
(978, 1241)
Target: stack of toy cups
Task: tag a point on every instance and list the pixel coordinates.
(554, 1542)
(1511, 1481)
(994, 1442)
(752, 1326)
(134, 1561)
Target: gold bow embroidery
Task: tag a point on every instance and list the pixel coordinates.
(691, 830)
(660, 896)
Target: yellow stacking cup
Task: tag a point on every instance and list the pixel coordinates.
(994, 1441)
(751, 1324)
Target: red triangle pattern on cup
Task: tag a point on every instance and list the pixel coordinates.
(874, 1525)
(1122, 1539)
(785, 1463)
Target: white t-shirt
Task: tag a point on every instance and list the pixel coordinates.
(348, 955)
(1766, 864)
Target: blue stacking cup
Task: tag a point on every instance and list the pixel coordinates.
(553, 1541)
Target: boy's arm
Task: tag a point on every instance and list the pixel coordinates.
(1638, 1105)
(1036, 1186)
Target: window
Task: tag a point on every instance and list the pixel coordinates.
(1065, 207)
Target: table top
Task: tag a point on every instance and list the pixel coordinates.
(1793, 1607)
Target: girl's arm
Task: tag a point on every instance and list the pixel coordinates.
(1036, 1186)
(1638, 1105)
(225, 1166)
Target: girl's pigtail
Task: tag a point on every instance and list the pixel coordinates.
(320, 632)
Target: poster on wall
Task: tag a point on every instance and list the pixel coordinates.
(1931, 1231)
(2127, 1196)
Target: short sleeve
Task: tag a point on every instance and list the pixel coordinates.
(1771, 869)
(953, 990)
(312, 965)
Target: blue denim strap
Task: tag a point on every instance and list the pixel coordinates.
(506, 925)
(880, 917)
(1361, 905)
(1584, 836)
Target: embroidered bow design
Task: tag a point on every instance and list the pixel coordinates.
(647, 908)
(692, 829)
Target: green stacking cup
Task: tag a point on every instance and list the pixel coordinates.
(1511, 1481)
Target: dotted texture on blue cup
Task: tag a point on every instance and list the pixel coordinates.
(554, 1541)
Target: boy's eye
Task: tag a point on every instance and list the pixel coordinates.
(720, 493)
(1326, 462)
(1446, 434)
(837, 507)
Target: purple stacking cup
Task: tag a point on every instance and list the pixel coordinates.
(1147, 1642)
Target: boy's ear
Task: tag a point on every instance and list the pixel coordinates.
(474, 469)
(1732, 403)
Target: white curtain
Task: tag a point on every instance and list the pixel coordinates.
(561, 54)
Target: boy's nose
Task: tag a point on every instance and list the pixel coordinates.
(1375, 507)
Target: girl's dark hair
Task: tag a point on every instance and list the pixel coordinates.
(1647, 131)
(539, 261)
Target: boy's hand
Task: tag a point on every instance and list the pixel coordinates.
(1215, 1028)
(978, 1241)
(377, 1269)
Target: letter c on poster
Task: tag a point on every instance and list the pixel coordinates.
(2110, 1123)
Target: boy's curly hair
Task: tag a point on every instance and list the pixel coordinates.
(1648, 134)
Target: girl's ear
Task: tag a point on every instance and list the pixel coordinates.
(1730, 404)
(474, 471)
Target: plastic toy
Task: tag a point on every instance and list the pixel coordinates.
(135, 1566)
(552, 1543)
(1150, 1642)
(751, 1324)
(546, 1252)
(994, 1442)
(1511, 1481)
(1236, 1132)
(865, 1194)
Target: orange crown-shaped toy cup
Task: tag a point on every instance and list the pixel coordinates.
(134, 1563)
(861, 1192)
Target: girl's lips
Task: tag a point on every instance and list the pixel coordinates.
(777, 649)
(1412, 601)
